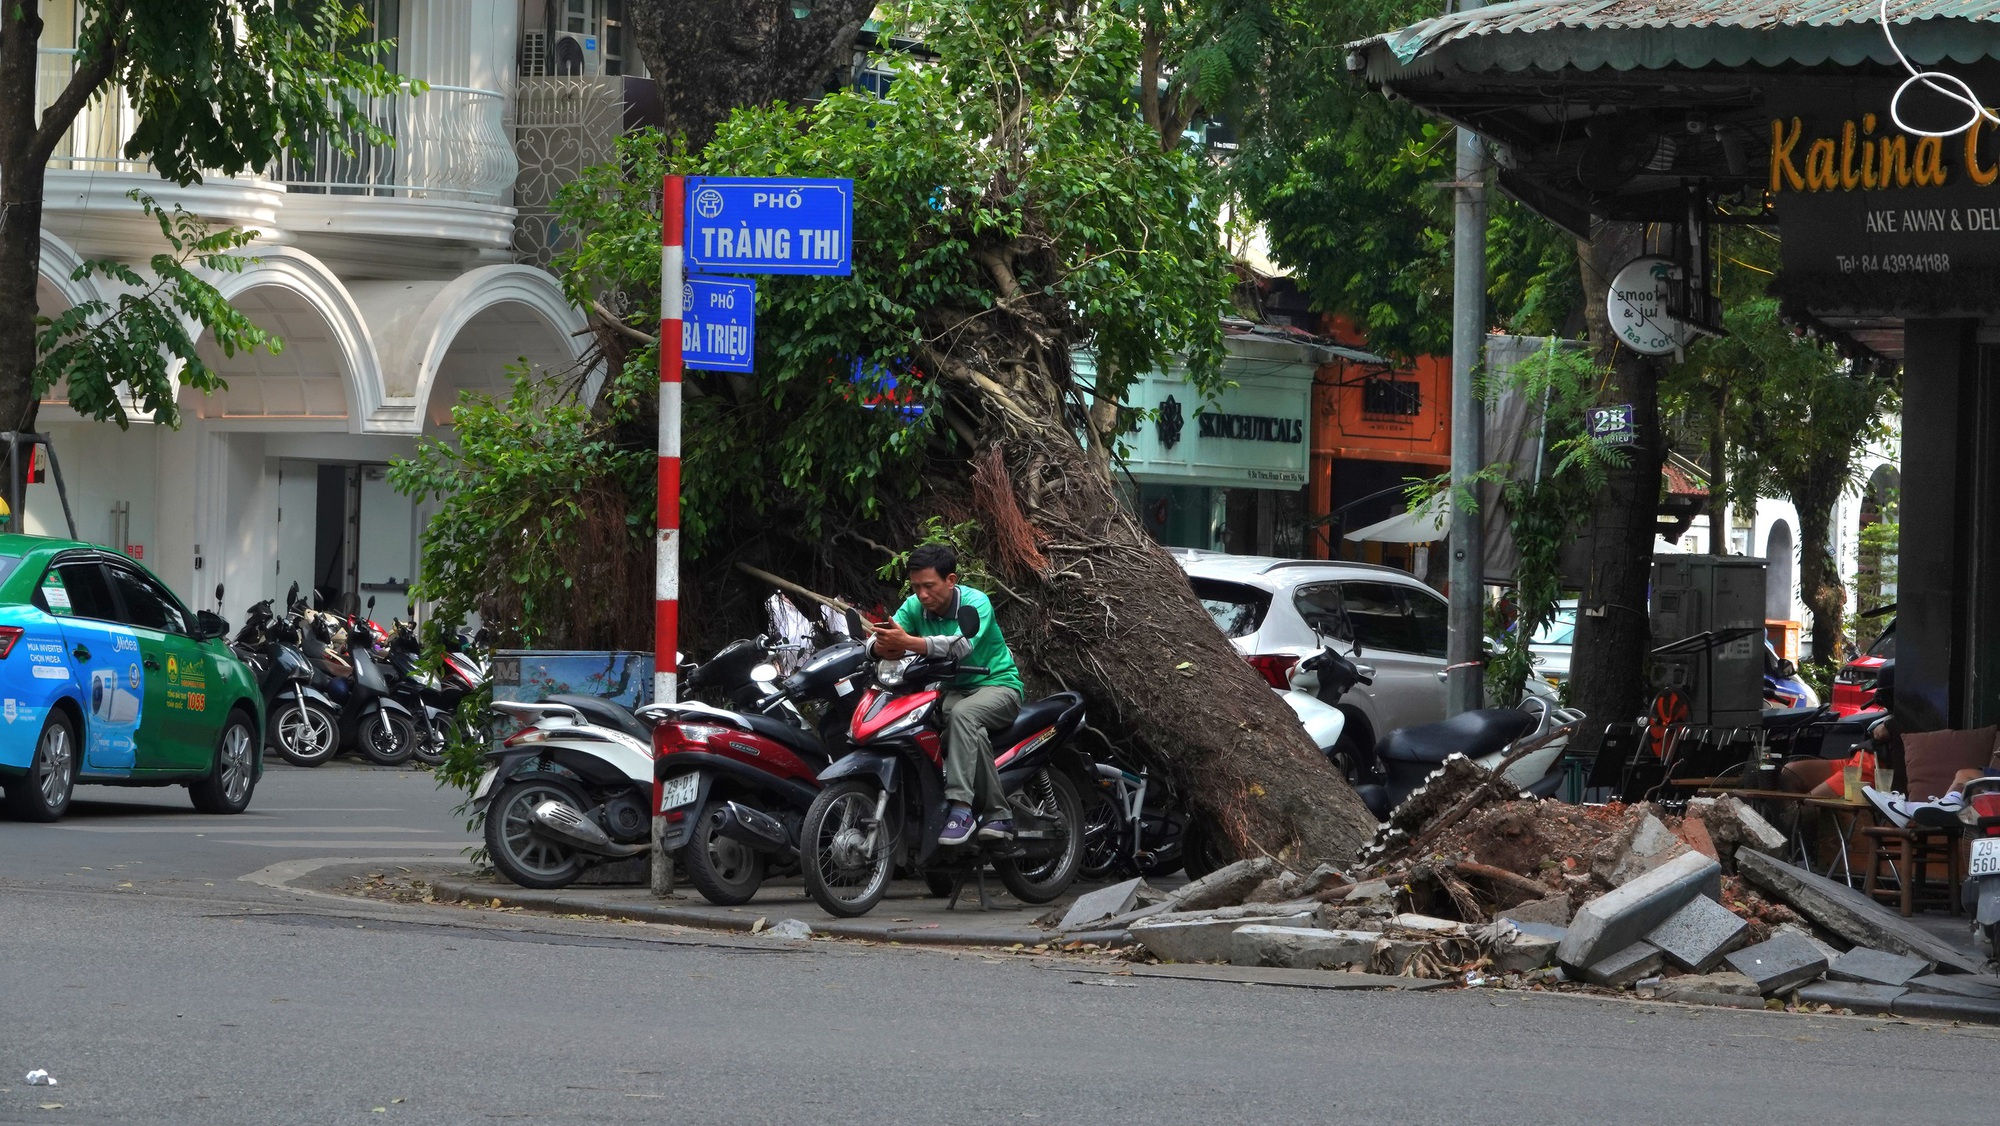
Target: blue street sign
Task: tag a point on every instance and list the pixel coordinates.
(768, 225)
(719, 324)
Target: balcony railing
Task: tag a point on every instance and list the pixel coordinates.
(451, 143)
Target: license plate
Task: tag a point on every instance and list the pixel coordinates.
(486, 781)
(1985, 857)
(677, 792)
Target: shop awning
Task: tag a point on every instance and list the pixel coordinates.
(1586, 35)
(1426, 523)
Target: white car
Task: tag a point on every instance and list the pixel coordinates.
(1278, 611)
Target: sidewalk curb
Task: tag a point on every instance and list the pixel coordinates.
(455, 889)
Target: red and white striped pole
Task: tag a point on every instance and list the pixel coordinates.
(666, 575)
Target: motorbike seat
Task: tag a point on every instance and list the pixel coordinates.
(1473, 734)
(1034, 716)
(784, 734)
(604, 713)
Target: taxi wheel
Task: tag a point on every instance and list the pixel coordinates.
(233, 776)
(43, 793)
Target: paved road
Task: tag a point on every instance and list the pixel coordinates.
(176, 1002)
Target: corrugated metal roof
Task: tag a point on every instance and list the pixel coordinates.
(1554, 35)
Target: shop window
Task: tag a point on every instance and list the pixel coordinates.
(1391, 399)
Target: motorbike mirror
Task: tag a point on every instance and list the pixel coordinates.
(371, 605)
(1787, 669)
(857, 626)
(968, 620)
(292, 596)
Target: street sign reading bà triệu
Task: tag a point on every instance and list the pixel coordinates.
(719, 324)
(769, 225)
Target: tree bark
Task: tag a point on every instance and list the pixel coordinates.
(708, 57)
(20, 216)
(1613, 632)
(1819, 579)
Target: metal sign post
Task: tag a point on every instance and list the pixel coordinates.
(667, 565)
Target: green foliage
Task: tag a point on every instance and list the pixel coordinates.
(227, 86)
(535, 528)
(960, 538)
(137, 351)
(1347, 183)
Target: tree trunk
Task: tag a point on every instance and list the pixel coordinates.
(708, 57)
(1117, 621)
(1819, 579)
(1613, 632)
(20, 219)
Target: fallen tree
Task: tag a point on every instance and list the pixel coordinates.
(1012, 208)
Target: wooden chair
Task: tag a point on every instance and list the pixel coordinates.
(1908, 856)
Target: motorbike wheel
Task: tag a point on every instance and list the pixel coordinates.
(1202, 850)
(388, 748)
(1103, 836)
(433, 737)
(305, 734)
(1054, 798)
(521, 854)
(846, 866)
(726, 872)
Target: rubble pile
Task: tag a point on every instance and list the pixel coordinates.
(1470, 883)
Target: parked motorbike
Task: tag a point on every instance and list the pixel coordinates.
(736, 784)
(1134, 823)
(431, 699)
(1981, 891)
(571, 789)
(367, 714)
(883, 803)
(301, 717)
(1402, 759)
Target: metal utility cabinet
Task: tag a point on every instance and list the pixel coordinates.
(1708, 635)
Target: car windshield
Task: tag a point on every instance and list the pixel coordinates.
(1559, 630)
(1885, 645)
(1238, 610)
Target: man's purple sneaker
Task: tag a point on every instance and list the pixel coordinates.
(957, 826)
(999, 829)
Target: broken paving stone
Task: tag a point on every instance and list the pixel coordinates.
(1942, 1006)
(1226, 886)
(1104, 903)
(1696, 937)
(1727, 988)
(1515, 951)
(1279, 888)
(1734, 825)
(1831, 952)
(1876, 967)
(1862, 998)
(1849, 914)
(1370, 892)
(1616, 920)
(1783, 963)
(1430, 925)
(1301, 948)
(1627, 965)
(1204, 936)
(1554, 910)
(1638, 849)
(1323, 878)
(1964, 985)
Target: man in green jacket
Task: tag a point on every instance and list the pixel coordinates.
(976, 705)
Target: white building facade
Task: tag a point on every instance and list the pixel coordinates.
(396, 278)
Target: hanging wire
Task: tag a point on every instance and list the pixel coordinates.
(1963, 94)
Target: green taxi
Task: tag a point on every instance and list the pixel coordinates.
(107, 678)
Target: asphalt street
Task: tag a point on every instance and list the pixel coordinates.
(195, 996)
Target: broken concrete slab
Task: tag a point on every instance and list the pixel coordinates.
(1782, 963)
(1300, 948)
(1555, 910)
(1371, 893)
(1696, 937)
(1831, 952)
(1727, 988)
(1515, 951)
(1226, 886)
(1323, 878)
(1625, 966)
(1204, 936)
(1285, 885)
(1638, 849)
(1962, 985)
(1733, 825)
(1104, 903)
(1876, 967)
(1430, 924)
(1539, 930)
(1850, 914)
(1861, 998)
(1614, 921)
(1945, 1006)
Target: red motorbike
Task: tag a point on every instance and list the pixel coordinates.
(883, 805)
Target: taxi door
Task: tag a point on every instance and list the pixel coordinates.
(108, 678)
(177, 675)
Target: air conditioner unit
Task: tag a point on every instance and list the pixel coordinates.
(576, 54)
(534, 54)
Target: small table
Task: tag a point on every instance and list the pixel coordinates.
(1843, 831)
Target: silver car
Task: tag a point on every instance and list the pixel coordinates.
(1277, 611)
